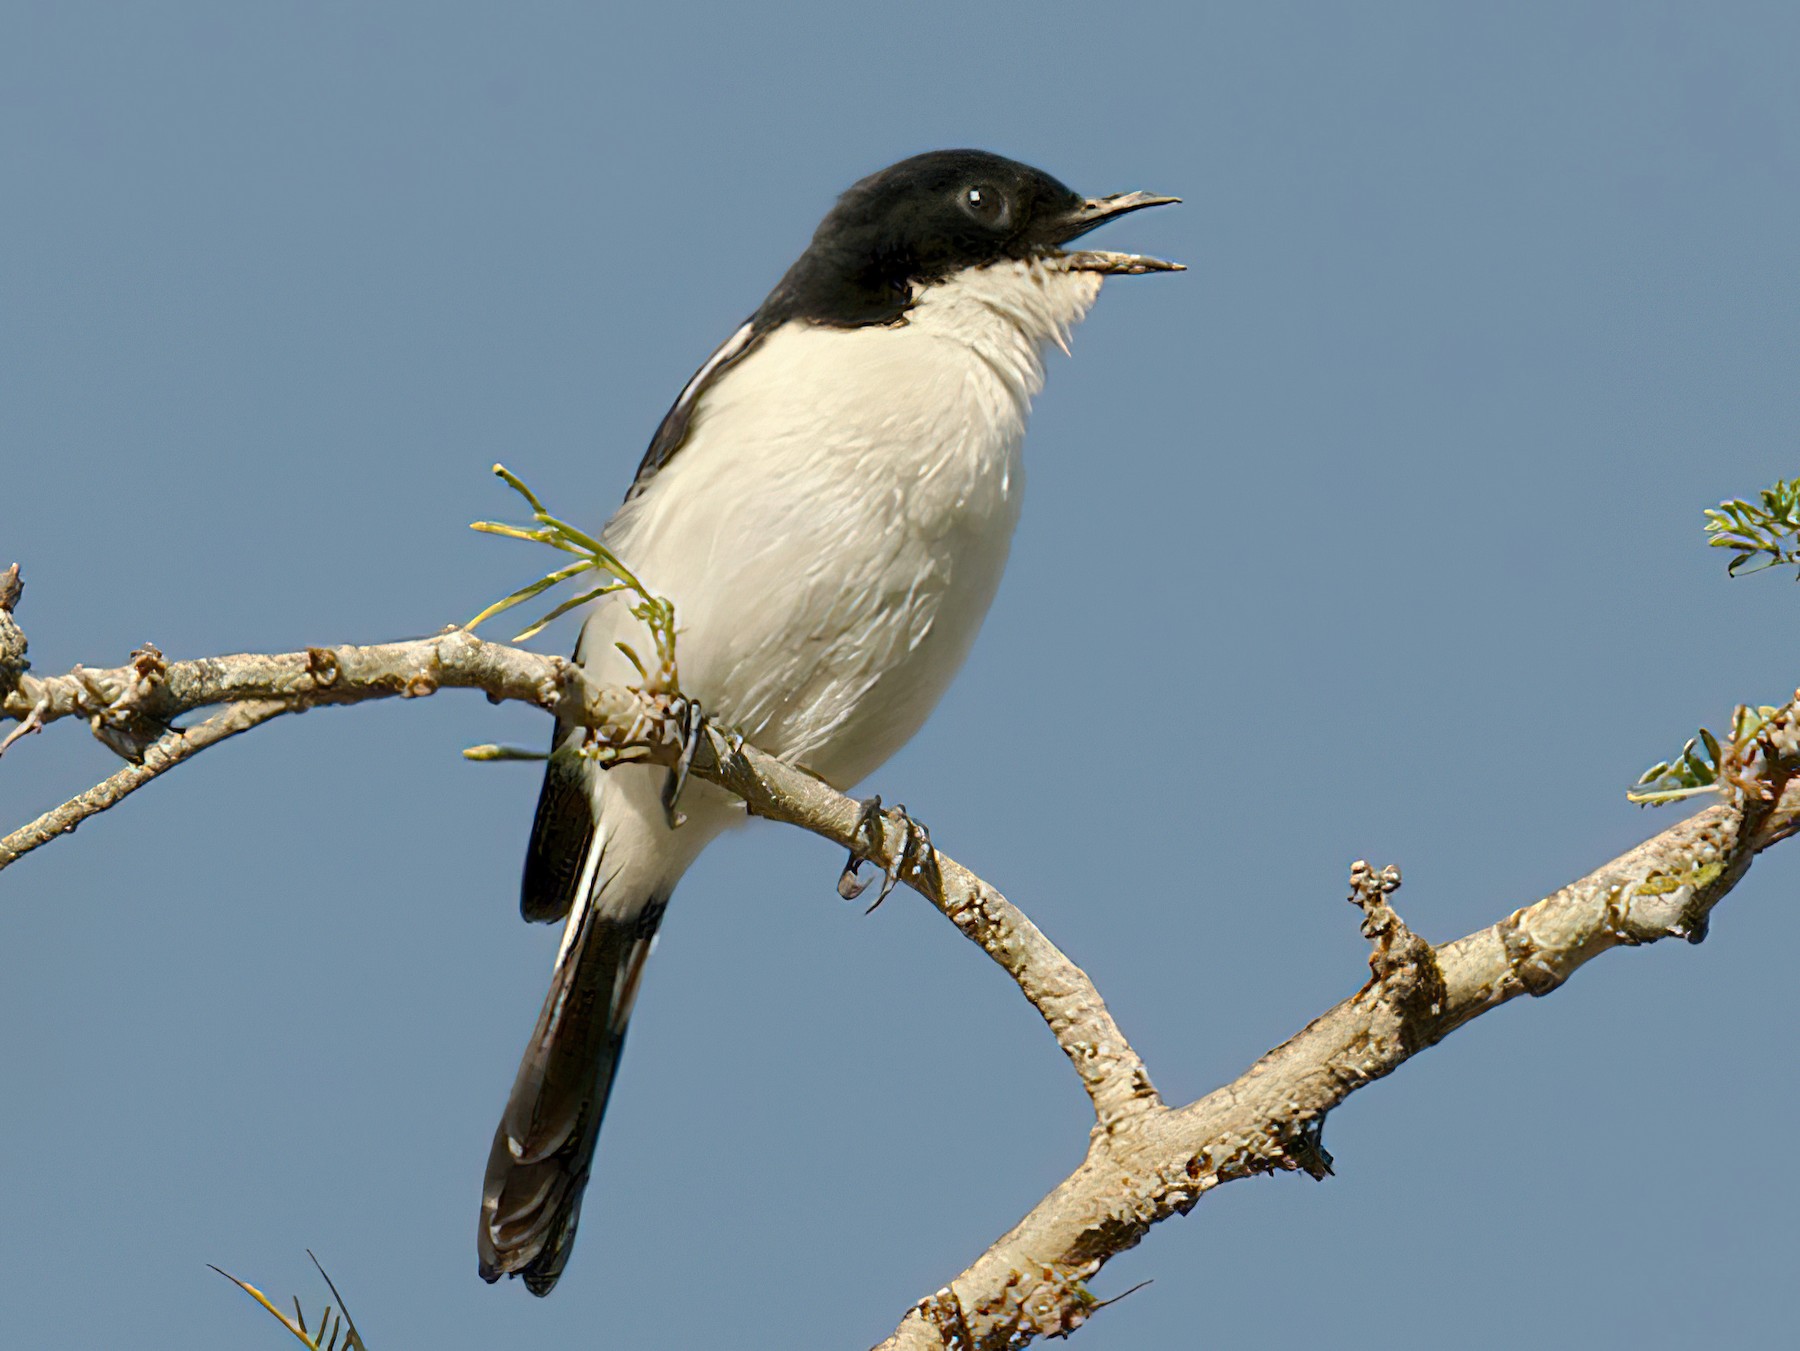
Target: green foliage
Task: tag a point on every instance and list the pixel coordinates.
(656, 613)
(1686, 776)
(1764, 534)
(336, 1330)
(1696, 769)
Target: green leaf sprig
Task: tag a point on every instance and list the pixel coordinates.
(336, 1330)
(1696, 769)
(656, 613)
(1764, 534)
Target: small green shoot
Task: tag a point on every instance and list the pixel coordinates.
(336, 1330)
(492, 752)
(1696, 769)
(655, 612)
(1764, 534)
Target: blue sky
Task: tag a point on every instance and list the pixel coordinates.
(1376, 534)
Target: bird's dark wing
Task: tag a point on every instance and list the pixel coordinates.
(562, 829)
(677, 421)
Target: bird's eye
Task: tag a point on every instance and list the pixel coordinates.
(987, 205)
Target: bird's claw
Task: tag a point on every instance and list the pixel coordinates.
(915, 855)
(868, 819)
(690, 719)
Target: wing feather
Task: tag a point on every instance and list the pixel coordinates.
(680, 417)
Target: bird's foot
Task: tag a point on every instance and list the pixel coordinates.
(863, 838)
(915, 858)
(690, 720)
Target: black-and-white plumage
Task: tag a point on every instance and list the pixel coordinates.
(829, 503)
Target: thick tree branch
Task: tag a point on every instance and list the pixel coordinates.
(1145, 1161)
(1030, 1282)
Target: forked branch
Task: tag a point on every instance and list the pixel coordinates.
(1145, 1161)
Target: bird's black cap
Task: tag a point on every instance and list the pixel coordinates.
(931, 216)
(921, 220)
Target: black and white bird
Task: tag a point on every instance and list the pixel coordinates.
(829, 505)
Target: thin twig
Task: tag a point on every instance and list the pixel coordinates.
(162, 756)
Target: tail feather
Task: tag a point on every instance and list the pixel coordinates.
(544, 1146)
(602, 853)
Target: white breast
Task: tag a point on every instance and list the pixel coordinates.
(834, 528)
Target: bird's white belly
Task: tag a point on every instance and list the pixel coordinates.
(832, 648)
(832, 535)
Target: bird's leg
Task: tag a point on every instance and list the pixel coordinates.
(864, 837)
(915, 857)
(923, 861)
(691, 720)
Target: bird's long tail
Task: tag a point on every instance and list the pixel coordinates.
(544, 1145)
(602, 854)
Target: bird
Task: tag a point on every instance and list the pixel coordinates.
(828, 504)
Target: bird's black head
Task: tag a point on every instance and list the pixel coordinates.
(931, 216)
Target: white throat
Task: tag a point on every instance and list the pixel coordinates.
(1008, 313)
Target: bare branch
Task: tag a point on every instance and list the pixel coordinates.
(1145, 1161)
(1031, 1282)
(625, 723)
(164, 754)
(1111, 1071)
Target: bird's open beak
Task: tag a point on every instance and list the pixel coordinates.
(1095, 212)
